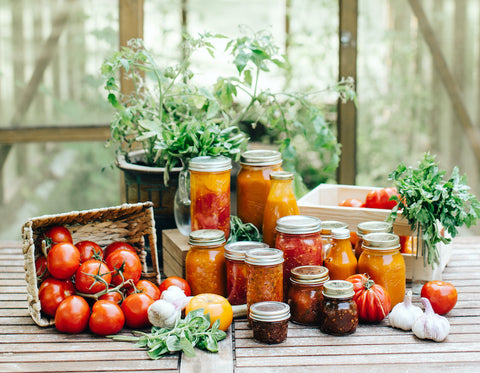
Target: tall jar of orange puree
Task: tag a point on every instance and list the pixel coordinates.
(280, 202)
(382, 261)
(341, 261)
(253, 184)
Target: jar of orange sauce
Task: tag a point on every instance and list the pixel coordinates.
(341, 261)
(326, 233)
(205, 262)
(382, 261)
(370, 227)
(253, 184)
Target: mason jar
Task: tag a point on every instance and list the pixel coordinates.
(270, 321)
(327, 226)
(370, 227)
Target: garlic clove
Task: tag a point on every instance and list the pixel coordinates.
(404, 314)
(431, 325)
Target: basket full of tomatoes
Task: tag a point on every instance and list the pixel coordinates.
(90, 255)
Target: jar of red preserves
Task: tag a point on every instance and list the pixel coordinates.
(341, 261)
(253, 184)
(338, 313)
(210, 193)
(305, 294)
(205, 262)
(370, 227)
(299, 238)
(237, 269)
(280, 202)
(326, 232)
(270, 321)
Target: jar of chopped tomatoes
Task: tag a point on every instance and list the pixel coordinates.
(370, 227)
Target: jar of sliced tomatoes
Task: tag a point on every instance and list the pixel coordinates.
(305, 293)
(210, 193)
(253, 184)
(237, 269)
(370, 227)
(299, 237)
(341, 261)
(205, 262)
(382, 261)
(327, 226)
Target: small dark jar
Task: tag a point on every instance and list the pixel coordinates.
(270, 321)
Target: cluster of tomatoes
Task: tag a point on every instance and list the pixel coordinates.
(375, 199)
(84, 285)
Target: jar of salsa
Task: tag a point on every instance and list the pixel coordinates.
(305, 293)
(299, 238)
(326, 232)
(210, 193)
(253, 184)
(280, 202)
(338, 313)
(237, 269)
(382, 261)
(341, 261)
(270, 321)
(264, 275)
(205, 262)
(370, 227)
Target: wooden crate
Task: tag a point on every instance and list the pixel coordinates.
(322, 202)
(132, 223)
(175, 248)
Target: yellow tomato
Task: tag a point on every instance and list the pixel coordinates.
(217, 306)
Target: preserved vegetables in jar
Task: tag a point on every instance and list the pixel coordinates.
(270, 321)
(205, 262)
(338, 313)
(237, 269)
(305, 294)
(280, 202)
(341, 261)
(382, 261)
(327, 226)
(253, 184)
(299, 238)
(370, 227)
(210, 193)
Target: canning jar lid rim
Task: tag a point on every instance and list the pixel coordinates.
(209, 163)
(340, 233)
(338, 289)
(373, 226)
(261, 157)
(328, 225)
(269, 311)
(281, 175)
(298, 224)
(206, 237)
(317, 274)
(236, 250)
(381, 241)
(264, 256)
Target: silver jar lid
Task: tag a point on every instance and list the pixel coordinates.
(299, 224)
(338, 289)
(261, 157)
(309, 274)
(340, 233)
(328, 225)
(373, 227)
(270, 311)
(381, 241)
(210, 164)
(263, 257)
(206, 237)
(281, 175)
(237, 250)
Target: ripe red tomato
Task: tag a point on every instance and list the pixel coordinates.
(126, 261)
(373, 301)
(72, 315)
(106, 318)
(89, 250)
(41, 268)
(147, 287)
(135, 309)
(351, 202)
(118, 245)
(390, 204)
(380, 198)
(85, 282)
(56, 235)
(442, 296)
(63, 260)
(177, 281)
(52, 292)
(114, 296)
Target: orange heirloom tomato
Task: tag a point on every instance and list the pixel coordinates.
(217, 306)
(442, 296)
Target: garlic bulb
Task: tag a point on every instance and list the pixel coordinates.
(430, 325)
(163, 314)
(404, 314)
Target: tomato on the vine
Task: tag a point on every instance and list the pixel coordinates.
(89, 250)
(72, 315)
(52, 292)
(41, 268)
(147, 287)
(113, 296)
(106, 318)
(118, 245)
(217, 306)
(441, 294)
(63, 260)
(57, 234)
(135, 309)
(126, 261)
(85, 280)
(177, 281)
(351, 202)
(380, 198)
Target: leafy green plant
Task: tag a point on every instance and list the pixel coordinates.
(240, 231)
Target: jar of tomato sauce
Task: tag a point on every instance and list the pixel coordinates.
(253, 184)
(280, 202)
(370, 227)
(298, 236)
(305, 293)
(237, 269)
(205, 262)
(341, 261)
(264, 275)
(210, 193)
(326, 232)
(382, 261)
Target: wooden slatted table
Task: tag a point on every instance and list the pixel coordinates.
(27, 347)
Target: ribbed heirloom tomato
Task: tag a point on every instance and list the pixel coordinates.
(441, 294)
(217, 306)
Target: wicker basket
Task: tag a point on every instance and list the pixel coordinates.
(132, 223)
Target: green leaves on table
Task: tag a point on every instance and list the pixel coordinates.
(240, 231)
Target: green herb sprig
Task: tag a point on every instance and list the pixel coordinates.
(429, 202)
(240, 231)
(193, 331)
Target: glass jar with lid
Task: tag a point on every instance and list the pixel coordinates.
(370, 227)
(270, 321)
(299, 237)
(205, 262)
(305, 293)
(237, 269)
(338, 313)
(253, 184)
(341, 261)
(382, 261)
(210, 193)
(326, 232)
